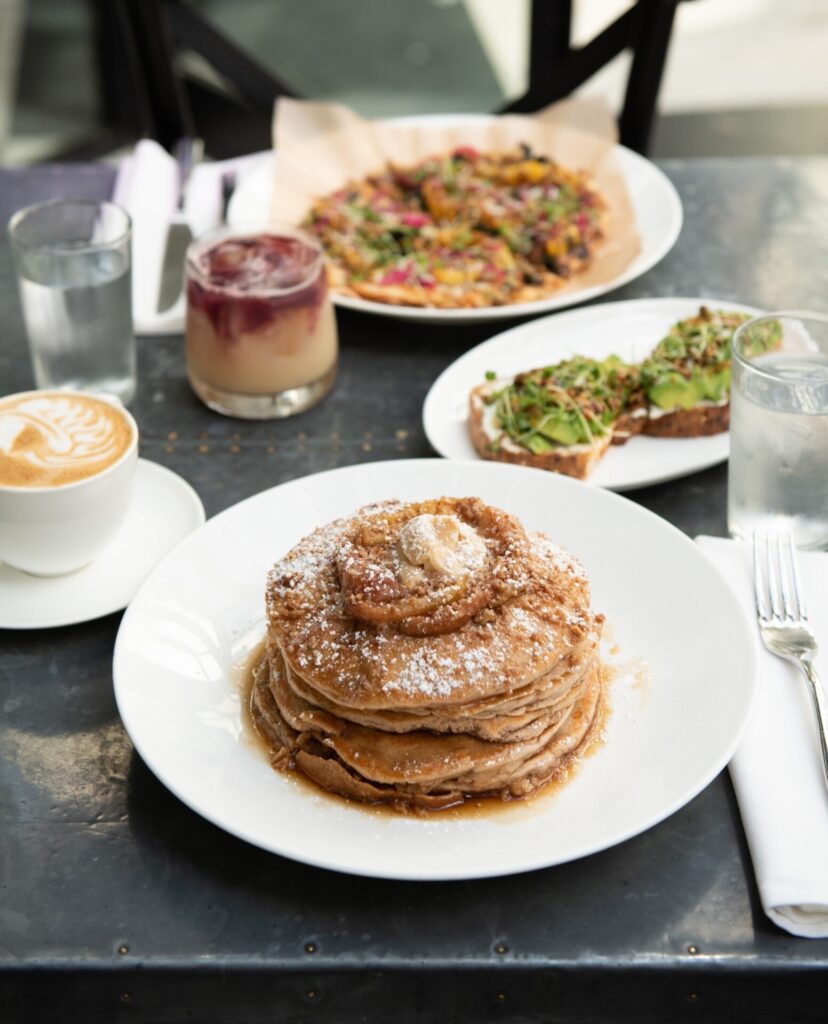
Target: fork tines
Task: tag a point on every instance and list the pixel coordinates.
(777, 586)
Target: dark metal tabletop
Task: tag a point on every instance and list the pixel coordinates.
(120, 904)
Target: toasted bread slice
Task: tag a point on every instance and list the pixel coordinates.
(695, 353)
(702, 420)
(628, 424)
(574, 460)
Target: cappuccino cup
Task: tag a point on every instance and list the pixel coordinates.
(67, 467)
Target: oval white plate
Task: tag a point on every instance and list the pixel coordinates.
(656, 203)
(164, 510)
(629, 329)
(201, 613)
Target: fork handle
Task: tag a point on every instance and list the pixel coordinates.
(820, 707)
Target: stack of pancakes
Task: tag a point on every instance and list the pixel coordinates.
(418, 654)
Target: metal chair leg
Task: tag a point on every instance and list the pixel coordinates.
(654, 29)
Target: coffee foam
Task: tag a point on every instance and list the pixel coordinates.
(53, 438)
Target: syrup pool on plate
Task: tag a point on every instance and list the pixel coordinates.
(261, 333)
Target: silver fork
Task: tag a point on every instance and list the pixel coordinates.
(783, 618)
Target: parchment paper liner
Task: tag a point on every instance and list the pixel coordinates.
(321, 146)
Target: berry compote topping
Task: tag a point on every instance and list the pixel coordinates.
(241, 284)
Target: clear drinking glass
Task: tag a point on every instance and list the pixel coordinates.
(261, 332)
(73, 269)
(778, 471)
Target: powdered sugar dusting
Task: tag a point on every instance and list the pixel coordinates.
(561, 560)
(541, 612)
(435, 674)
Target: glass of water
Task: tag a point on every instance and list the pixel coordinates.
(778, 470)
(73, 269)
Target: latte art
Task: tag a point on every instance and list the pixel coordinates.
(53, 438)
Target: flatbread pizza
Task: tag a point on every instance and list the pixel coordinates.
(462, 230)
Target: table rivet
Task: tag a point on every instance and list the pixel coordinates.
(234, 448)
(311, 994)
(169, 449)
(310, 947)
(693, 997)
(126, 997)
(173, 435)
(692, 950)
(204, 448)
(366, 447)
(301, 438)
(401, 435)
(501, 997)
(501, 947)
(271, 450)
(123, 950)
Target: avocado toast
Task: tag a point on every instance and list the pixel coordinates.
(557, 417)
(563, 417)
(686, 379)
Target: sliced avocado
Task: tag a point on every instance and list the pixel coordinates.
(561, 430)
(538, 445)
(713, 385)
(673, 391)
(762, 337)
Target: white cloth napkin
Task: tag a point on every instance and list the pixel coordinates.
(776, 770)
(147, 187)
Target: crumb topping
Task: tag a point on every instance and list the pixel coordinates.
(536, 610)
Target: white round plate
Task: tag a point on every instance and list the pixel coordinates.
(165, 509)
(658, 216)
(629, 329)
(682, 643)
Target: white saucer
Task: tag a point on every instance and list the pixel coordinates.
(164, 511)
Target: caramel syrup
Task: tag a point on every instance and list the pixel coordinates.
(474, 806)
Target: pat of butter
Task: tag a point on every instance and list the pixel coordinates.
(441, 545)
